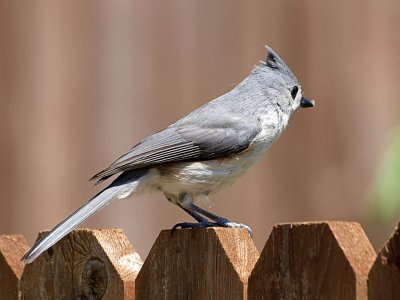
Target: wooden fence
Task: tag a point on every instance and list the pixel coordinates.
(313, 260)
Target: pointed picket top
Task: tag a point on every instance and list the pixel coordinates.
(212, 263)
(86, 264)
(12, 247)
(313, 260)
(384, 277)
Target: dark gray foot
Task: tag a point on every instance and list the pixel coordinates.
(196, 225)
(203, 224)
(201, 215)
(222, 222)
(226, 223)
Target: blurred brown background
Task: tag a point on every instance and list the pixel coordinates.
(83, 81)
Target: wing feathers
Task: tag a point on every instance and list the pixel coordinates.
(186, 142)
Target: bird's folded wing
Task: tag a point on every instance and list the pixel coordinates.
(185, 142)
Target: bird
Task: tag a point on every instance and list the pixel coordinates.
(200, 154)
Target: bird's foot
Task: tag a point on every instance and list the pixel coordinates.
(221, 223)
(205, 224)
(230, 224)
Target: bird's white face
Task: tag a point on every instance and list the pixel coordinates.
(288, 98)
(296, 93)
(293, 99)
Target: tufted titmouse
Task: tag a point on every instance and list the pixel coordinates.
(202, 153)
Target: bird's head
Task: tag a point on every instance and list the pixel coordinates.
(280, 84)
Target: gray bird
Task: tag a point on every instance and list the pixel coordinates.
(200, 154)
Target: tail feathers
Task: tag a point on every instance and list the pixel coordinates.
(77, 217)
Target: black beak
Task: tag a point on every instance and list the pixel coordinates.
(304, 102)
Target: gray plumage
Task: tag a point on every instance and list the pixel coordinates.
(200, 154)
(186, 142)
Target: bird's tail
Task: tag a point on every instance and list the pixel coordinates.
(72, 221)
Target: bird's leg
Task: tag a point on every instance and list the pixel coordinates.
(184, 201)
(222, 222)
(202, 222)
(199, 218)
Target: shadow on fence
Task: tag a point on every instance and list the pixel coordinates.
(313, 260)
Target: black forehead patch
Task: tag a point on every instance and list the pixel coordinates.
(272, 60)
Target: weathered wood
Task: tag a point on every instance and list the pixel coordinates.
(12, 248)
(384, 276)
(324, 260)
(86, 264)
(211, 263)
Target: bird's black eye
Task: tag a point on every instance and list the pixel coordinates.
(294, 91)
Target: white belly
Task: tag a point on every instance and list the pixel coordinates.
(205, 177)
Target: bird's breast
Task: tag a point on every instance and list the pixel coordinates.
(205, 177)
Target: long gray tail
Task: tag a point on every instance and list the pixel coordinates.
(77, 217)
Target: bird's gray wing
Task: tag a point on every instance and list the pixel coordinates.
(187, 142)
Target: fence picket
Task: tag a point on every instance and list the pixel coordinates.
(211, 263)
(384, 276)
(310, 260)
(12, 247)
(86, 264)
(317, 260)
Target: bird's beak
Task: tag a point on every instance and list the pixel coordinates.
(304, 102)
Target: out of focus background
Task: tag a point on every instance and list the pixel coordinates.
(83, 81)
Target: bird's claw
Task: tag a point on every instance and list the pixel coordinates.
(227, 224)
(194, 225)
(238, 225)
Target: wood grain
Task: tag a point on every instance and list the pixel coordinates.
(86, 264)
(211, 263)
(321, 260)
(12, 248)
(384, 277)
